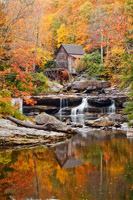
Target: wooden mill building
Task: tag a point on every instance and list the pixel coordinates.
(66, 56)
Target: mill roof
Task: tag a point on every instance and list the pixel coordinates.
(73, 49)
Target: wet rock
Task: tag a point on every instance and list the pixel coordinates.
(90, 84)
(99, 101)
(101, 122)
(54, 100)
(118, 117)
(67, 87)
(91, 116)
(11, 134)
(105, 133)
(51, 123)
(119, 100)
(37, 109)
(90, 89)
(46, 100)
(77, 125)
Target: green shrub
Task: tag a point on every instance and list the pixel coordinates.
(127, 82)
(6, 107)
(129, 111)
(40, 83)
(92, 62)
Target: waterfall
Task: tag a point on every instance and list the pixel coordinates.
(79, 110)
(19, 103)
(112, 108)
(63, 106)
(109, 110)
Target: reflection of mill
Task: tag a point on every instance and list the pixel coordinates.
(65, 155)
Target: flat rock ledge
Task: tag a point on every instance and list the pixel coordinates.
(11, 135)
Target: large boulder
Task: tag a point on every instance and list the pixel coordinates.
(90, 85)
(118, 117)
(101, 122)
(52, 124)
(54, 87)
(12, 135)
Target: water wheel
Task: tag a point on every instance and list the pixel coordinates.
(62, 75)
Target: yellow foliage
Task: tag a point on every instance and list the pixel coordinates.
(62, 33)
(62, 175)
(118, 51)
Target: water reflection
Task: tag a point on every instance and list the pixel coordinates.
(65, 155)
(81, 168)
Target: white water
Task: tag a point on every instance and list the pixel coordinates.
(19, 103)
(63, 106)
(109, 110)
(77, 113)
(112, 108)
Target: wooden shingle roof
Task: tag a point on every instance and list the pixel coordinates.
(73, 49)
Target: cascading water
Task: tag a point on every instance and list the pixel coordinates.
(19, 103)
(109, 110)
(112, 108)
(63, 106)
(78, 112)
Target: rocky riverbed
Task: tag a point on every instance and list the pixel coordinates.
(11, 135)
(14, 135)
(98, 99)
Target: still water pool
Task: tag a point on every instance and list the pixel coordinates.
(83, 168)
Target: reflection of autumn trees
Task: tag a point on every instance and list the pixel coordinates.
(37, 174)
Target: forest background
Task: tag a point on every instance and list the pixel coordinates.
(32, 30)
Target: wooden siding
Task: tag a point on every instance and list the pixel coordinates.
(62, 59)
(66, 60)
(71, 62)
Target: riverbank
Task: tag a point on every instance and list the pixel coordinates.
(13, 135)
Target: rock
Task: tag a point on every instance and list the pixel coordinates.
(37, 109)
(54, 100)
(125, 104)
(67, 87)
(54, 87)
(119, 100)
(77, 125)
(12, 135)
(90, 88)
(118, 117)
(99, 101)
(51, 123)
(92, 84)
(101, 122)
(80, 85)
(91, 116)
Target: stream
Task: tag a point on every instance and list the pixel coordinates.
(81, 168)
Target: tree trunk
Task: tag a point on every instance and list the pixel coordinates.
(37, 37)
(24, 124)
(46, 126)
(101, 47)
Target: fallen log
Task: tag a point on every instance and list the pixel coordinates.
(24, 124)
(46, 126)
